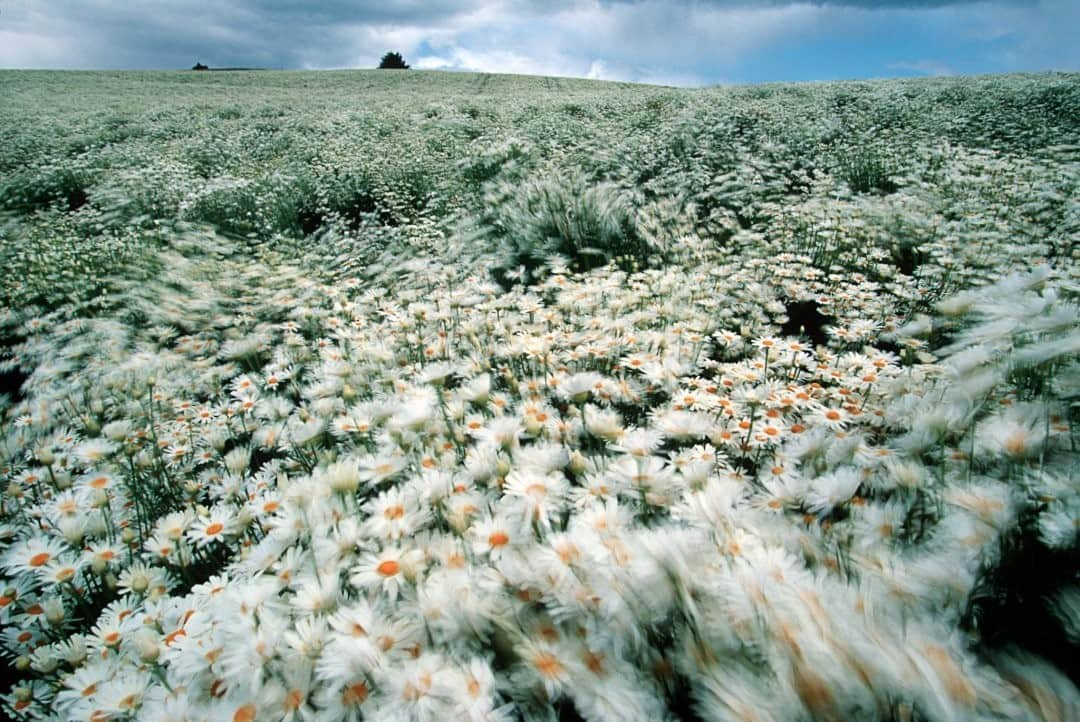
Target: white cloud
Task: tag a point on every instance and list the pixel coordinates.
(651, 41)
(923, 67)
(676, 42)
(598, 71)
(499, 61)
(31, 50)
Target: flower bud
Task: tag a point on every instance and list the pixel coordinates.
(146, 644)
(502, 466)
(72, 529)
(343, 477)
(238, 460)
(244, 517)
(139, 583)
(54, 612)
(46, 664)
(533, 426)
(117, 430)
(577, 462)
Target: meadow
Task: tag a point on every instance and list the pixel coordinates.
(403, 395)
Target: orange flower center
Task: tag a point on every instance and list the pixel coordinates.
(1016, 442)
(547, 665)
(354, 694)
(388, 568)
(39, 559)
(498, 539)
(214, 528)
(293, 700)
(245, 713)
(595, 662)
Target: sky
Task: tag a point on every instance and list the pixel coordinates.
(668, 42)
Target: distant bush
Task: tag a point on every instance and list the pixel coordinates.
(393, 61)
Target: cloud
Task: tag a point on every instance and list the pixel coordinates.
(923, 67)
(652, 41)
(498, 61)
(680, 42)
(863, 4)
(1024, 40)
(271, 33)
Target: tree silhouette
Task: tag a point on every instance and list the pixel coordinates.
(393, 61)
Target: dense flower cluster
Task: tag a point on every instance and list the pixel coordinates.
(350, 476)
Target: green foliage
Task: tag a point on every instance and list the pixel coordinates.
(587, 224)
(509, 158)
(230, 206)
(867, 171)
(31, 190)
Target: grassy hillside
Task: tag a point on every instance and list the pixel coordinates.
(416, 395)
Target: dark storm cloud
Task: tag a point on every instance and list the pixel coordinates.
(271, 33)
